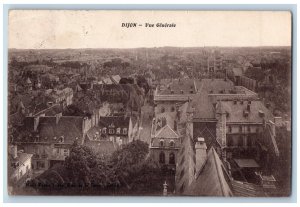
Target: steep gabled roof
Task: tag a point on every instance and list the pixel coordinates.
(167, 132)
(212, 180)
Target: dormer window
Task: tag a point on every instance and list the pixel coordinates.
(119, 130)
(172, 144)
(124, 130)
(161, 143)
(61, 139)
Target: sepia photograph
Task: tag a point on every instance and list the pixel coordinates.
(149, 103)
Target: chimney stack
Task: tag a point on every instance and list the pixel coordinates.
(13, 151)
(201, 154)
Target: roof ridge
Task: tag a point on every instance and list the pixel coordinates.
(217, 168)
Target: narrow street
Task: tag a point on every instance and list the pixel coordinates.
(146, 119)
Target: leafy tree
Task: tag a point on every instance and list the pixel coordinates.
(80, 163)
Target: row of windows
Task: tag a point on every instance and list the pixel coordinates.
(162, 158)
(240, 141)
(162, 110)
(113, 131)
(241, 129)
(162, 143)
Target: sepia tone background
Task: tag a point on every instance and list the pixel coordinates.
(33, 29)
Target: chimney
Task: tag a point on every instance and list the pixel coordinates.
(13, 151)
(261, 114)
(278, 121)
(36, 123)
(201, 154)
(58, 117)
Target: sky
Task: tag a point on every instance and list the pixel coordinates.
(60, 29)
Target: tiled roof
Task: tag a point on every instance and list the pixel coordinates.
(68, 126)
(166, 132)
(177, 86)
(117, 121)
(236, 111)
(212, 179)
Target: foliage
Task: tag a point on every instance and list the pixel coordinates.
(128, 168)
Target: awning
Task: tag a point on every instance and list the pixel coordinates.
(246, 163)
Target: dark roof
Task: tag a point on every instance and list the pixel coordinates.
(116, 121)
(69, 127)
(212, 179)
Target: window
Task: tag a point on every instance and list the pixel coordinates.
(124, 130)
(248, 129)
(241, 141)
(104, 130)
(162, 158)
(61, 139)
(172, 158)
(229, 129)
(172, 109)
(40, 164)
(229, 141)
(161, 143)
(172, 144)
(241, 128)
(66, 152)
(111, 131)
(162, 110)
(118, 130)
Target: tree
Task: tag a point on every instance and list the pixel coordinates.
(80, 162)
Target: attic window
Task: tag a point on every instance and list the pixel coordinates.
(172, 144)
(161, 143)
(61, 139)
(111, 131)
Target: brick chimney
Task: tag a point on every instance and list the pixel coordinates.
(201, 154)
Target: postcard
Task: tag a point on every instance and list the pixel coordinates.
(149, 103)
